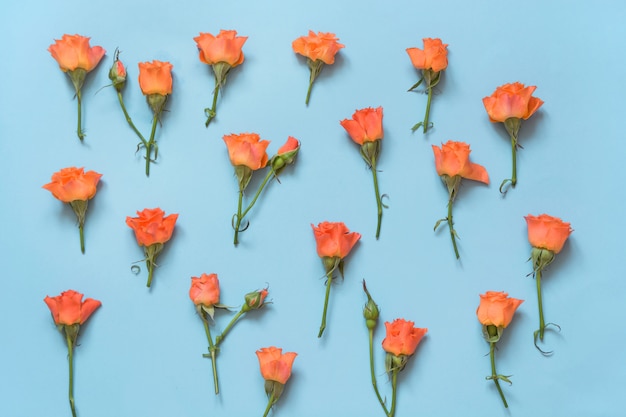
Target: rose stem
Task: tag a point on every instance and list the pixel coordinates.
(70, 359)
(329, 280)
(379, 203)
(212, 350)
(494, 375)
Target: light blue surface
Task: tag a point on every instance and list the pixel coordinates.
(140, 353)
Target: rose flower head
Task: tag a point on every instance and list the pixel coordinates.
(452, 159)
(334, 239)
(547, 236)
(69, 308)
(286, 155)
(117, 72)
(319, 49)
(152, 229)
(433, 57)
(497, 309)
(205, 292)
(155, 81)
(75, 186)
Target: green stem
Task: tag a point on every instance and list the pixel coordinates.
(329, 281)
(258, 193)
(221, 337)
(129, 120)
(151, 143)
(451, 227)
(394, 384)
(514, 160)
(212, 350)
(79, 129)
(379, 202)
(82, 238)
(70, 358)
(427, 115)
(239, 218)
(374, 384)
(542, 325)
(494, 375)
(150, 266)
(212, 112)
(270, 402)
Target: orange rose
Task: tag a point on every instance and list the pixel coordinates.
(547, 232)
(205, 290)
(247, 149)
(155, 77)
(291, 145)
(402, 338)
(323, 46)
(71, 184)
(73, 51)
(452, 159)
(366, 125)
(497, 309)
(275, 365)
(434, 56)
(68, 308)
(334, 240)
(151, 226)
(225, 47)
(511, 100)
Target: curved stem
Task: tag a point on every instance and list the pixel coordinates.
(379, 202)
(494, 375)
(70, 359)
(270, 402)
(329, 281)
(82, 238)
(451, 227)
(394, 384)
(150, 144)
(221, 337)
(542, 325)
(212, 350)
(239, 218)
(374, 384)
(212, 112)
(79, 129)
(258, 193)
(129, 120)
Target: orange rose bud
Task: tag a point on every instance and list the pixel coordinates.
(452, 159)
(152, 229)
(319, 49)
(433, 57)
(320, 46)
(205, 290)
(225, 47)
(496, 309)
(74, 52)
(255, 300)
(151, 226)
(286, 155)
(547, 232)
(69, 308)
(117, 73)
(71, 184)
(155, 81)
(275, 365)
(402, 337)
(334, 239)
(512, 101)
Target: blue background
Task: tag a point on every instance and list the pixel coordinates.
(140, 353)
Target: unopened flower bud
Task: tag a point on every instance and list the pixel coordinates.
(117, 74)
(286, 155)
(370, 311)
(255, 300)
